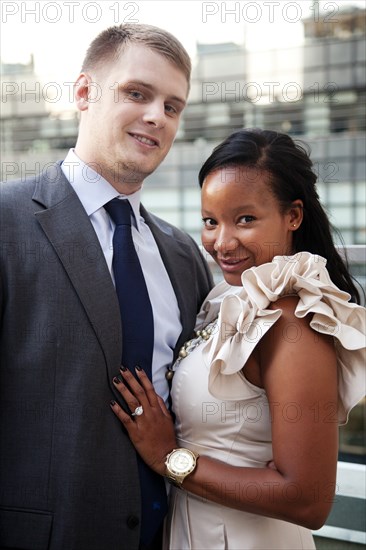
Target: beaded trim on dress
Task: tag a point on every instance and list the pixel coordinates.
(201, 336)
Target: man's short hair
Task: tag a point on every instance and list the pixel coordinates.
(109, 44)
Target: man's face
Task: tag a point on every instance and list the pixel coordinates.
(131, 116)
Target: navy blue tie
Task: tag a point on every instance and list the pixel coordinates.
(137, 346)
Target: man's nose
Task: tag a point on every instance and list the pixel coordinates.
(155, 114)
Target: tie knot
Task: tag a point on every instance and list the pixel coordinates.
(119, 210)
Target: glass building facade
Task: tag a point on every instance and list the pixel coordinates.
(316, 93)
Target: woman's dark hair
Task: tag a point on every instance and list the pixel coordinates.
(291, 177)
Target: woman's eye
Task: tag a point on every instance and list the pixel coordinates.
(209, 222)
(246, 219)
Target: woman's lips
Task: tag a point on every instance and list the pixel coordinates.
(232, 264)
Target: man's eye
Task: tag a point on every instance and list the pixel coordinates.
(135, 95)
(170, 109)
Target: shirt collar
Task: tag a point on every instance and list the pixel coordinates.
(92, 189)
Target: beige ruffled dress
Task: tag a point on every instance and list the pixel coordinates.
(220, 414)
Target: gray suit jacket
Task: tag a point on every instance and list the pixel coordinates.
(68, 473)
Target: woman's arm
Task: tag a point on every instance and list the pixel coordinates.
(299, 374)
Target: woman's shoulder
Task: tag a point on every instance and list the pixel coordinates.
(286, 303)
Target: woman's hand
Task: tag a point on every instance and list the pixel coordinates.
(152, 432)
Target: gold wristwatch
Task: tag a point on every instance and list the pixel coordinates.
(179, 464)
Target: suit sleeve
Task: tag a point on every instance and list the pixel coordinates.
(204, 281)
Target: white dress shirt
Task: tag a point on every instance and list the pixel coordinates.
(94, 191)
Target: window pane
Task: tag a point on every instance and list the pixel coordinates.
(340, 193)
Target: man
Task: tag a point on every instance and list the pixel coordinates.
(69, 477)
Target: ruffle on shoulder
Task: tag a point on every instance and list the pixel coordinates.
(244, 318)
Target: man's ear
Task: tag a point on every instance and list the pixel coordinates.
(296, 214)
(81, 91)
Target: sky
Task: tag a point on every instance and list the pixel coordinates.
(58, 33)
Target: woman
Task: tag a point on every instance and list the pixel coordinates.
(258, 395)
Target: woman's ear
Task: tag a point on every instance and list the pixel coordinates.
(81, 91)
(296, 214)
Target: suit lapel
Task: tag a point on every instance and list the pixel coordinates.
(176, 256)
(70, 232)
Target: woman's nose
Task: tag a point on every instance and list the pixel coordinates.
(225, 243)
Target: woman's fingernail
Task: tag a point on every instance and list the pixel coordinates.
(138, 368)
(116, 380)
(112, 403)
(123, 369)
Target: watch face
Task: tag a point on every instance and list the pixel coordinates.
(181, 461)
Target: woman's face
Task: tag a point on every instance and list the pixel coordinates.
(243, 224)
